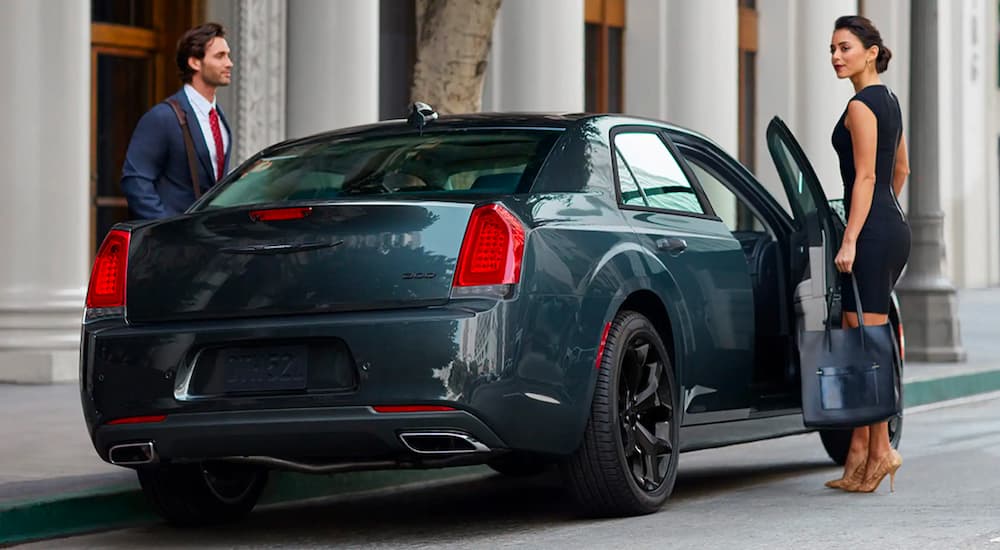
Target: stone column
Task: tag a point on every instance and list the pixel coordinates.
(706, 99)
(44, 221)
(332, 65)
(647, 71)
(260, 95)
(538, 55)
(927, 296)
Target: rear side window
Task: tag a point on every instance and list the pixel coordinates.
(443, 163)
(650, 176)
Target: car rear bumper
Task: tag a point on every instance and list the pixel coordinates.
(312, 435)
(505, 379)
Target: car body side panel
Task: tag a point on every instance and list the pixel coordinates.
(717, 298)
(581, 263)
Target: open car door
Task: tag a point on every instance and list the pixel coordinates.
(817, 240)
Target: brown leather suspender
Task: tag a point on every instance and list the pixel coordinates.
(188, 144)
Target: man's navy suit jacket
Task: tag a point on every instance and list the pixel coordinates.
(156, 179)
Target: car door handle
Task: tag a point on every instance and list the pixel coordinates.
(672, 244)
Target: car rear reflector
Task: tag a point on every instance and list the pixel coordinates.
(107, 279)
(139, 419)
(278, 214)
(411, 408)
(492, 249)
(902, 342)
(600, 348)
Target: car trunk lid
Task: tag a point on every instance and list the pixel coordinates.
(347, 256)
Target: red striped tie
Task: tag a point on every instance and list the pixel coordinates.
(220, 153)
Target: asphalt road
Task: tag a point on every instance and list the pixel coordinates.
(763, 495)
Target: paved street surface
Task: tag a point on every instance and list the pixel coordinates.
(764, 495)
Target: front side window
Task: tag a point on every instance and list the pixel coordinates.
(445, 163)
(733, 211)
(645, 161)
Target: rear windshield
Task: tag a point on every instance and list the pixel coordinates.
(443, 163)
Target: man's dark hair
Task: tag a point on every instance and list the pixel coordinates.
(193, 44)
(866, 32)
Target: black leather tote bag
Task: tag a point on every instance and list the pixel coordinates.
(850, 376)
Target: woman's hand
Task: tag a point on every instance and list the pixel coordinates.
(845, 258)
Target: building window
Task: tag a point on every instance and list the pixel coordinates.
(604, 51)
(747, 81)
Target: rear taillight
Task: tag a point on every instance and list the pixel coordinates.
(107, 280)
(492, 249)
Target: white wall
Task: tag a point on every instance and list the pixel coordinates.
(992, 139)
(971, 226)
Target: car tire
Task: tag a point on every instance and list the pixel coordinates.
(517, 464)
(838, 442)
(189, 495)
(627, 462)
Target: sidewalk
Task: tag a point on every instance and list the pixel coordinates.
(52, 482)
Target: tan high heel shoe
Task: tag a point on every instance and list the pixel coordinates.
(856, 477)
(886, 467)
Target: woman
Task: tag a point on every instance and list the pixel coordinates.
(869, 140)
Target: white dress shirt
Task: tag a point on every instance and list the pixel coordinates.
(201, 108)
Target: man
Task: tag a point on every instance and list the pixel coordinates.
(160, 178)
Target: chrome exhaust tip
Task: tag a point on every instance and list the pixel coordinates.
(131, 454)
(439, 443)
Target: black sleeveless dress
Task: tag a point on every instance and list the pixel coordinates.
(884, 243)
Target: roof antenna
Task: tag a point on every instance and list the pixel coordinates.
(420, 114)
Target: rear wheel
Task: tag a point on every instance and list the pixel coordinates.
(627, 463)
(202, 494)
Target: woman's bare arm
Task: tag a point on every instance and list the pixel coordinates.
(902, 168)
(863, 125)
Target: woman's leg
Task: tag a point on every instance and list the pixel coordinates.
(878, 442)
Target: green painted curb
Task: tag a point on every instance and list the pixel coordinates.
(117, 506)
(922, 392)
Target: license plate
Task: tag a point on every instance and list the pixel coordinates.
(264, 369)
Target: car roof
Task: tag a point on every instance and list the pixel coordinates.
(488, 120)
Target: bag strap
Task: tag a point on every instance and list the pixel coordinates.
(857, 304)
(857, 301)
(188, 144)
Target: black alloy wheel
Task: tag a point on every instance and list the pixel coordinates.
(627, 463)
(200, 494)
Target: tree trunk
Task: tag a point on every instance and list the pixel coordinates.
(453, 40)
